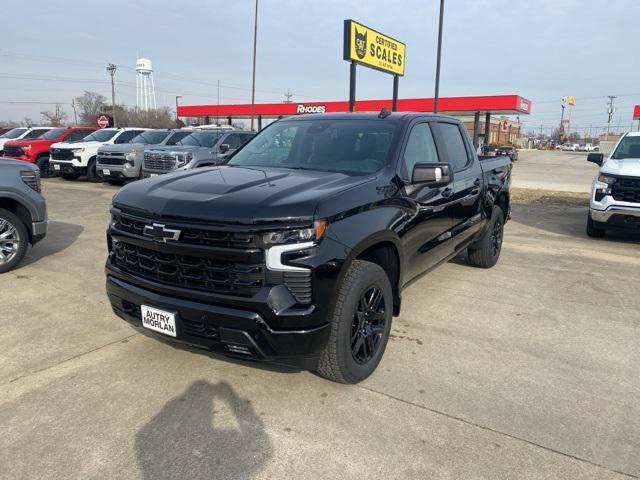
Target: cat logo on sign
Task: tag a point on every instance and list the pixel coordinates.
(373, 49)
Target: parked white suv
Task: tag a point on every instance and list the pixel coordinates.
(615, 193)
(70, 160)
(20, 133)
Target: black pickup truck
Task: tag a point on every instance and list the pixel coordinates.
(297, 250)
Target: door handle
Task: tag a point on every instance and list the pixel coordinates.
(447, 192)
(477, 182)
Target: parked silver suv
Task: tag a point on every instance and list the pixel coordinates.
(23, 211)
(202, 148)
(118, 163)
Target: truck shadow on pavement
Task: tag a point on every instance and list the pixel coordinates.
(208, 432)
(60, 235)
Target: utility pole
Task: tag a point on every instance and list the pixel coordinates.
(561, 124)
(438, 57)
(111, 68)
(253, 82)
(610, 112)
(75, 113)
(177, 98)
(287, 96)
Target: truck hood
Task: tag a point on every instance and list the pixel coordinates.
(24, 143)
(181, 149)
(628, 167)
(234, 194)
(124, 147)
(91, 144)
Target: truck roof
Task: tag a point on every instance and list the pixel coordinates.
(392, 116)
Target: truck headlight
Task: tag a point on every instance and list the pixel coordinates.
(604, 186)
(77, 150)
(184, 158)
(31, 178)
(131, 156)
(303, 235)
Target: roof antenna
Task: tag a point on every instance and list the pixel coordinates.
(384, 113)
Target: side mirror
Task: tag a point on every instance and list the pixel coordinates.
(432, 174)
(223, 148)
(596, 158)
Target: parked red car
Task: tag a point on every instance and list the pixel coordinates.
(37, 150)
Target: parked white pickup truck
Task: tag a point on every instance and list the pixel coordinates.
(73, 159)
(615, 193)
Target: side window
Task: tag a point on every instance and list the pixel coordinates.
(245, 138)
(233, 141)
(126, 137)
(454, 144)
(420, 149)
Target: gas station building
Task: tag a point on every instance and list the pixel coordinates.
(484, 116)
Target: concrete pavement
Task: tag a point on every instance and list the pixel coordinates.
(527, 370)
(554, 170)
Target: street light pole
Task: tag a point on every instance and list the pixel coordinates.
(253, 82)
(438, 57)
(177, 118)
(111, 68)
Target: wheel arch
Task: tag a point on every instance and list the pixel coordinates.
(18, 209)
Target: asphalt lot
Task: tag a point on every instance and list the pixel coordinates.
(528, 370)
(554, 170)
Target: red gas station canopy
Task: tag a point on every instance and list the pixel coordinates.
(636, 112)
(496, 104)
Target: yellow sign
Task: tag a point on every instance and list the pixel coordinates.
(572, 101)
(368, 47)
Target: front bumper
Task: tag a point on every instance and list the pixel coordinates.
(58, 166)
(229, 330)
(613, 213)
(38, 231)
(117, 172)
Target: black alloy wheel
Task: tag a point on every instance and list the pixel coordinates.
(368, 324)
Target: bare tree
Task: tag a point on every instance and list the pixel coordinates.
(154, 118)
(55, 118)
(89, 106)
(28, 122)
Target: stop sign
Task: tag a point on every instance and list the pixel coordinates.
(103, 121)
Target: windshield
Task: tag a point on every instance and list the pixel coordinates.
(201, 139)
(36, 133)
(629, 147)
(177, 136)
(150, 137)
(15, 133)
(55, 133)
(99, 136)
(347, 146)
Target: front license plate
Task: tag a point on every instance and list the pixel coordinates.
(153, 175)
(106, 172)
(56, 167)
(159, 320)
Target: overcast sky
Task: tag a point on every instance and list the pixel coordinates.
(53, 50)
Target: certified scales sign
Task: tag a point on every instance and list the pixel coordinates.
(373, 49)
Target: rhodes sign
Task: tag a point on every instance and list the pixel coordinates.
(373, 49)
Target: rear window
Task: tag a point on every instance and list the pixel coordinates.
(177, 136)
(201, 139)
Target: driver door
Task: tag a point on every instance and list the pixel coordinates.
(426, 230)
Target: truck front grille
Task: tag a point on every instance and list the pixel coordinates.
(61, 154)
(162, 162)
(626, 190)
(194, 236)
(111, 159)
(187, 271)
(10, 151)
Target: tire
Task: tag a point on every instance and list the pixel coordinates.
(360, 325)
(69, 176)
(593, 230)
(486, 252)
(45, 168)
(92, 172)
(12, 253)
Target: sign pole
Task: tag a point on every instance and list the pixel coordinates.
(352, 87)
(394, 102)
(438, 58)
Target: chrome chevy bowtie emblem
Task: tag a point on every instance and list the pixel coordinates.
(161, 233)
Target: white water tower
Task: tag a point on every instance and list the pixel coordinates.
(145, 90)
